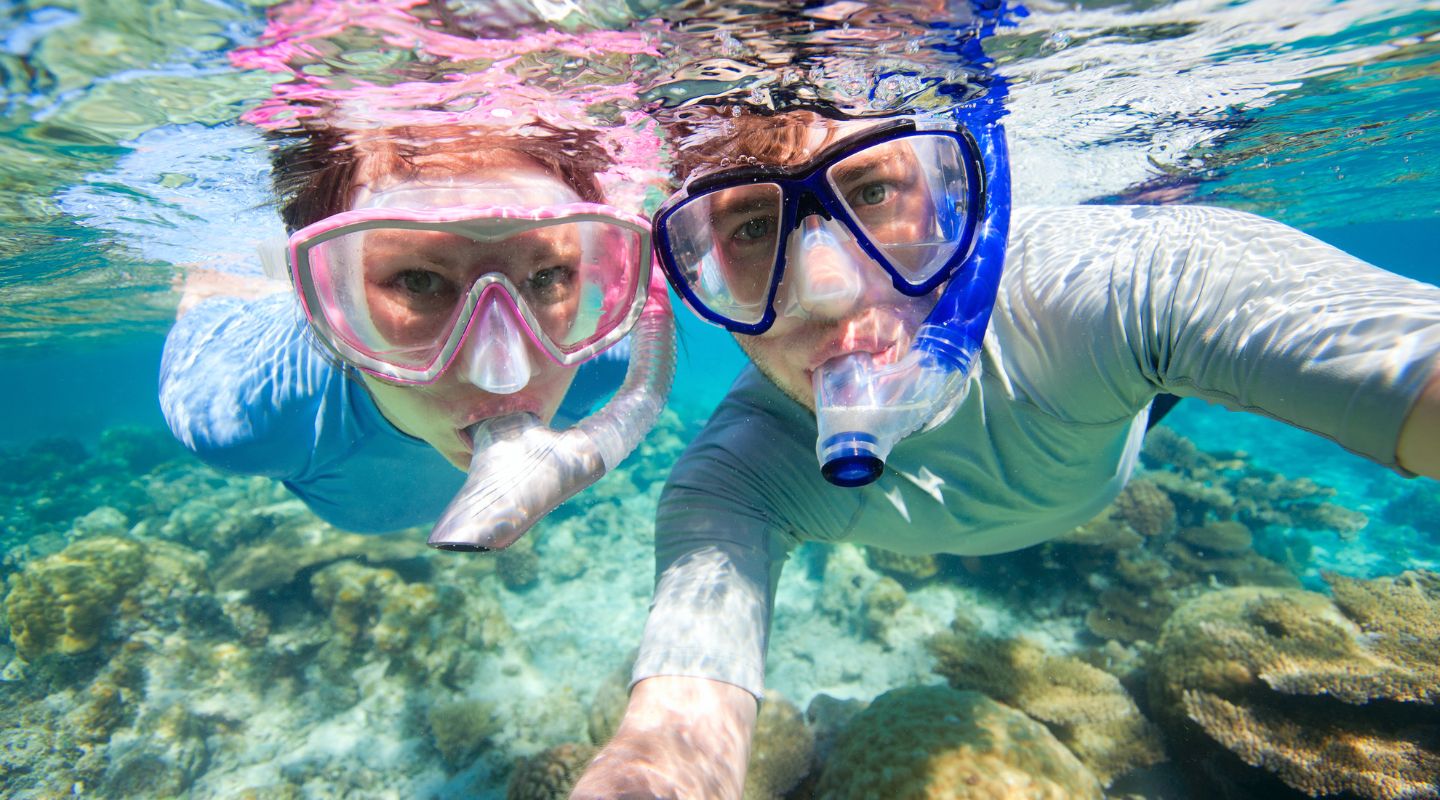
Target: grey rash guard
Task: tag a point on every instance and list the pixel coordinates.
(1100, 309)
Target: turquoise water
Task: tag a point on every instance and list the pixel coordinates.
(218, 673)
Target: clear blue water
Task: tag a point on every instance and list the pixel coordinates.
(123, 167)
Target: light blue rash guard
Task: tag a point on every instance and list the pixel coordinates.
(245, 387)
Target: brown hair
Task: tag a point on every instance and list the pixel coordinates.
(711, 137)
(315, 172)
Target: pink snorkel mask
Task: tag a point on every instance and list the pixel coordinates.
(418, 279)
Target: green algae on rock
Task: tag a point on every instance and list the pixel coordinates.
(1328, 697)
(934, 743)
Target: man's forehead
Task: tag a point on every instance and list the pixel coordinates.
(815, 133)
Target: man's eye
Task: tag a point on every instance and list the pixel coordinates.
(422, 282)
(872, 194)
(754, 228)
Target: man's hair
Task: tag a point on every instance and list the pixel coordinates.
(316, 171)
(709, 137)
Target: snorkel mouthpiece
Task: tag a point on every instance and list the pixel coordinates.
(521, 469)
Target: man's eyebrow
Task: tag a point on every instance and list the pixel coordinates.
(862, 163)
(743, 198)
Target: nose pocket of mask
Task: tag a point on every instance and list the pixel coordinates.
(495, 357)
(822, 272)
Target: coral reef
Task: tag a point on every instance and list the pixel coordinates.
(607, 708)
(1187, 526)
(1329, 697)
(176, 632)
(1146, 508)
(460, 728)
(1086, 708)
(551, 774)
(62, 603)
(936, 742)
(910, 570)
(296, 543)
(883, 600)
(518, 565)
(781, 751)
(374, 606)
(1419, 508)
(1220, 486)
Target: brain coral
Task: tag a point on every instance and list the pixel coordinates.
(62, 603)
(932, 742)
(1328, 697)
(781, 751)
(1085, 707)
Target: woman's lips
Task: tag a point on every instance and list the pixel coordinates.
(511, 405)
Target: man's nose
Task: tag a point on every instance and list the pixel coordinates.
(495, 356)
(826, 271)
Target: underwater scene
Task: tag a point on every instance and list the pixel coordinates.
(1256, 616)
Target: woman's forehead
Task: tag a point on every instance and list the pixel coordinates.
(524, 183)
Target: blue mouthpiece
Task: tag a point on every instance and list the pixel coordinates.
(851, 459)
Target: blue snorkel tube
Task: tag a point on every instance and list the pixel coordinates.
(863, 409)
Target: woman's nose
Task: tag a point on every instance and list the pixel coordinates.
(826, 271)
(495, 356)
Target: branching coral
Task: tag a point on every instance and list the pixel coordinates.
(1085, 707)
(1329, 699)
(1146, 508)
(934, 742)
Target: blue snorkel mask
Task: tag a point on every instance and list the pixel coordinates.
(927, 200)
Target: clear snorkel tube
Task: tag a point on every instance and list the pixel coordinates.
(862, 409)
(521, 469)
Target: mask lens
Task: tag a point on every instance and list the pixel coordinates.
(580, 280)
(724, 244)
(909, 197)
(391, 294)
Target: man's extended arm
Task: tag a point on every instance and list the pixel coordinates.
(680, 738)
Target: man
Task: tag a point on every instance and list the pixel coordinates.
(821, 244)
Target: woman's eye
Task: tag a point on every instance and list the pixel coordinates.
(754, 228)
(550, 281)
(422, 282)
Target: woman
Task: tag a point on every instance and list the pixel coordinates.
(450, 268)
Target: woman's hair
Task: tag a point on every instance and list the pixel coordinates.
(315, 172)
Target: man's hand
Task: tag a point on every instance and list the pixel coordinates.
(1419, 446)
(681, 738)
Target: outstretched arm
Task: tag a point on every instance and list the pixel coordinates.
(680, 738)
(1419, 447)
